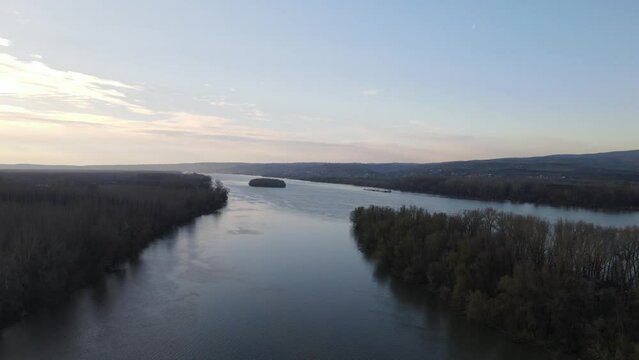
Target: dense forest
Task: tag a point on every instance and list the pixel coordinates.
(609, 195)
(62, 230)
(569, 286)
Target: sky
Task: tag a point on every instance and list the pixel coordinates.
(131, 82)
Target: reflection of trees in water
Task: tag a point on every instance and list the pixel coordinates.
(60, 321)
(463, 339)
(61, 231)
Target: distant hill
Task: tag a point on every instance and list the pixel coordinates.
(618, 165)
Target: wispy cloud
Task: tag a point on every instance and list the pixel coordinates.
(50, 115)
(248, 109)
(20, 18)
(34, 80)
(5, 42)
(180, 136)
(168, 123)
(371, 92)
(314, 119)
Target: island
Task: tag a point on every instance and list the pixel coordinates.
(378, 190)
(267, 182)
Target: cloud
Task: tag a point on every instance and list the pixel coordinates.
(371, 92)
(74, 137)
(5, 42)
(245, 108)
(20, 18)
(34, 80)
(48, 115)
(314, 119)
(48, 136)
(57, 137)
(182, 123)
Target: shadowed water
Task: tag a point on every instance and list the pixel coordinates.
(276, 275)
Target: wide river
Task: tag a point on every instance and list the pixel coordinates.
(275, 275)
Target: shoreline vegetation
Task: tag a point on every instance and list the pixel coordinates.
(567, 286)
(594, 195)
(267, 182)
(377, 190)
(60, 231)
(603, 181)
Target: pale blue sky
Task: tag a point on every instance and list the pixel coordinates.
(323, 81)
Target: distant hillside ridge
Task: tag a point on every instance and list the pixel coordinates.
(617, 165)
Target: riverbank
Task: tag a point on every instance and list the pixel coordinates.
(565, 285)
(611, 196)
(60, 231)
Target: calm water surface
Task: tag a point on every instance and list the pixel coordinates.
(276, 275)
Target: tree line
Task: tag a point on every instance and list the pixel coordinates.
(62, 230)
(566, 285)
(593, 194)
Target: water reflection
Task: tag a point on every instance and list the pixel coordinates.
(442, 324)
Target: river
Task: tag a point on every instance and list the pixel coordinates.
(275, 275)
